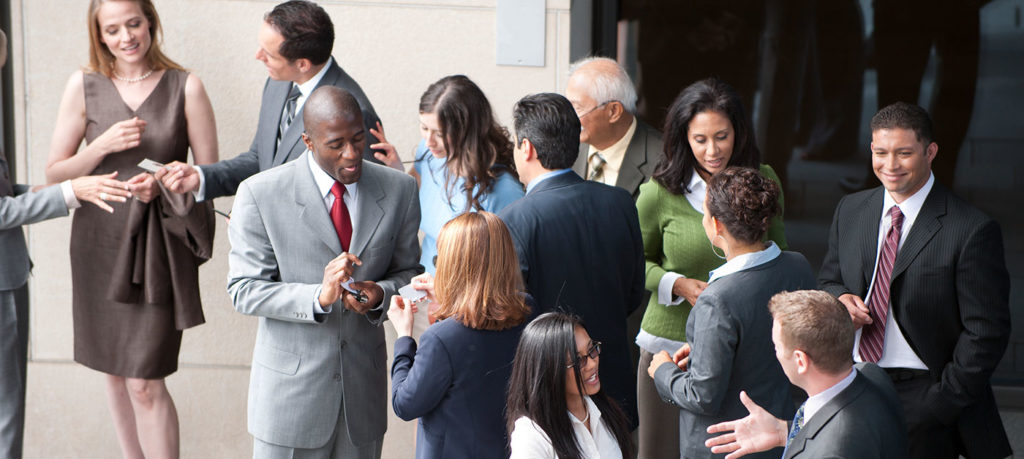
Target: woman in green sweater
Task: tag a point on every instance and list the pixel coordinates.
(706, 130)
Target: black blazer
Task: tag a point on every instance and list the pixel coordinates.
(864, 420)
(580, 251)
(457, 387)
(222, 178)
(949, 294)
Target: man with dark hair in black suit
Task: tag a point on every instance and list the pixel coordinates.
(578, 242)
(922, 274)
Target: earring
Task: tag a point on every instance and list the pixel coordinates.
(725, 250)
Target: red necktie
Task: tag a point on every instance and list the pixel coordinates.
(872, 338)
(339, 216)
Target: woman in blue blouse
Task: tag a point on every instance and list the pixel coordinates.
(464, 162)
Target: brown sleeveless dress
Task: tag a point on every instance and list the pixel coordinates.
(135, 272)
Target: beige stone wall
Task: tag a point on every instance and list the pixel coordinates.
(394, 48)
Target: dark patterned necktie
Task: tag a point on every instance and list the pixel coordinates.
(288, 115)
(872, 337)
(798, 423)
(597, 163)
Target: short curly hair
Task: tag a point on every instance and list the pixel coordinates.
(744, 201)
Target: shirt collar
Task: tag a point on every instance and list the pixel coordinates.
(817, 401)
(911, 206)
(614, 153)
(746, 261)
(698, 190)
(307, 88)
(542, 177)
(592, 410)
(324, 182)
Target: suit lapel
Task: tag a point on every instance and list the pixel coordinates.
(271, 118)
(872, 214)
(370, 212)
(580, 166)
(925, 226)
(311, 207)
(291, 144)
(824, 415)
(630, 175)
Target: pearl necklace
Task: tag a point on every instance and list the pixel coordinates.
(133, 80)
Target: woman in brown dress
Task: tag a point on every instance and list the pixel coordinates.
(134, 271)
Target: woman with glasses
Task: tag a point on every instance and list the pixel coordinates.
(454, 381)
(464, 162)
(555, 406)
(729, 330)
(706, 131)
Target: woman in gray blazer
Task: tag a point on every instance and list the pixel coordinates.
(729, 346)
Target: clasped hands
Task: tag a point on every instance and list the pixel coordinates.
(338, 271)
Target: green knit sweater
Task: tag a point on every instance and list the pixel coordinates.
(674, 240)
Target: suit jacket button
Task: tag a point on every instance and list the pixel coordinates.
(337, 376)
(342, 344)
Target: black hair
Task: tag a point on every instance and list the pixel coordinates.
(537, 386)
(307, 30)
(904, 116)
(678, 164)
(550, 123)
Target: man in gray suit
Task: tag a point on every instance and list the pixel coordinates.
(300, 233)
(295, 40)
(850, 412)
(616, 148)
(22, 205)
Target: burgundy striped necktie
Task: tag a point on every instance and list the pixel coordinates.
(339, 216)
(872, 338)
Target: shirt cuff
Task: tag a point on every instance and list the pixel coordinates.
(317, 309)
(200, 194)
(665, 296)
(69, 195)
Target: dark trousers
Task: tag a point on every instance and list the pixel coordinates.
(13, 355)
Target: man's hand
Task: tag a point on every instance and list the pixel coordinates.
(374, 295)
(688, 288)
(657, 361)
(402, 315)
(682, 356)
(759, 431)
(859, 312)
(337, 271)
(178, 177)
(144, 187)
(99, 188)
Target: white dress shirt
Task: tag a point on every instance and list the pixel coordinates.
(305, 89)
(896, 351)
(816, 401)
(530, 442)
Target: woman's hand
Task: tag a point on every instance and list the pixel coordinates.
(689, 289)
(425, 282)
(122, 136)
(100, 188)
(144, 187)
(401, 314)
(390, 157)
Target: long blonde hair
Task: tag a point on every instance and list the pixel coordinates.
(478, 281)
(100, 58)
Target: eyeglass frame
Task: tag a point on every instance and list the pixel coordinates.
(592, 353)
(602, 104)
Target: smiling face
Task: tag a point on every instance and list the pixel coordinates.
(711, 138)
(430, 130)
(900, 161)
(337, 144)
(124, 30)
(588, 371)
(279, 67)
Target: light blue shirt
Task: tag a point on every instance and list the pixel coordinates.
(437, 207)
(542, 177)
(746, 261)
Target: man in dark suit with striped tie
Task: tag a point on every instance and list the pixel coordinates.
(922, 274)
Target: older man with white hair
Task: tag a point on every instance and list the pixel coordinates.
(616, 148)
